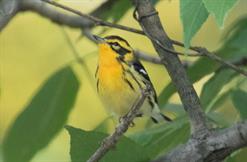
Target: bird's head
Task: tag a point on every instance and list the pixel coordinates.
(115, 46)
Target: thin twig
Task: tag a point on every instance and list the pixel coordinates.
(241, 62)
(96, 20)
(214, 57)
(147, 57)
(199, 50)
(100, 22)
(109, 142)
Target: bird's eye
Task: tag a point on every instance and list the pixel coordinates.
(115, 46)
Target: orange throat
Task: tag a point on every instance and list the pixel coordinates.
(110, 70)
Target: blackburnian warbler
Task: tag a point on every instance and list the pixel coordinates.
(119, 77)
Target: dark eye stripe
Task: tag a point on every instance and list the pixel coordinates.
(114, 43)
(121, 50)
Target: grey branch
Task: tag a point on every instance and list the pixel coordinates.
(8, 9)
(56, 16)
(147, 57)
(154, 30)
(214, 57)
(213, 148)
(81, 20)
(93, 19)
(109, 142)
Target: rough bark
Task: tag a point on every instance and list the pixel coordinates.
(213, 148)
(8, 9)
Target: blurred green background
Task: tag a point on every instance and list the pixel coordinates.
(32, 48)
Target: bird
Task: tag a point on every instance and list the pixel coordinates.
(119, 78)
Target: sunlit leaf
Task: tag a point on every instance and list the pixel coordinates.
(43, 117)
(239, 98)
(219, 119)
(192, 14)
(84, 143)
(219, 8)
(220, 100)
(237, 156)
(215, 84)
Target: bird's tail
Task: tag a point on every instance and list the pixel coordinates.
(157, 116)
(160, 117)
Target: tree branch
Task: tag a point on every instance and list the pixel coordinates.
(214, 148)
(147, 57)
(56, 16)
(154, 30)
(85, 21)
(153, 59)
(109, 142)
(216, 58)
(8, 9)
(93, 19)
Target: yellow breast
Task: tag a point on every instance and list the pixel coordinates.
(110, 70)
(113, 89)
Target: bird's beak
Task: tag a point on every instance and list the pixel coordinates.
(98, 39)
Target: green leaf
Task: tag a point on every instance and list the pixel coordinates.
(43, 117)
(219, 101)
(176, 108)
(84, 143)
(1, 153)
(162, 138)
(112, 9)
(238, 81)
(233, 49)
(239, 98)
(219, 119)
(219, 8)
(237, 156)
(214, 85)
(103, 126)
(165, 94)
(193, 15)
